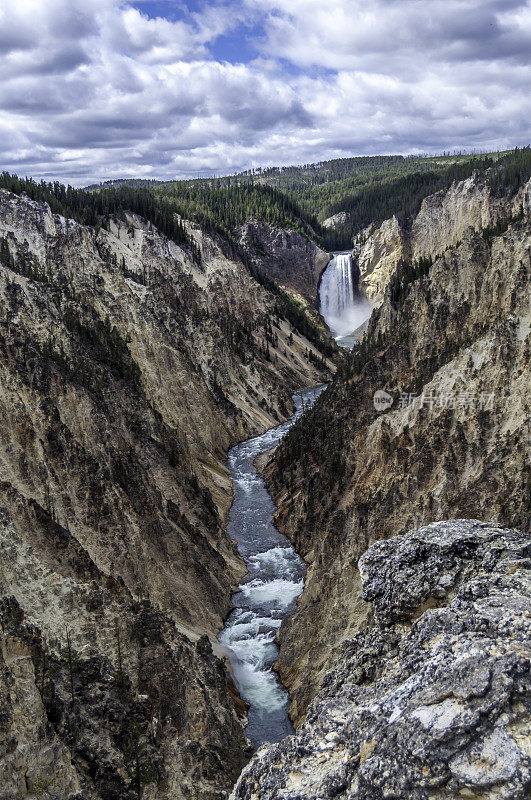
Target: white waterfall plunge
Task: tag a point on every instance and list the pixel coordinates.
(342, 308)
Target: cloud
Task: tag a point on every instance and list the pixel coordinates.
(97, 88)
(352, 34)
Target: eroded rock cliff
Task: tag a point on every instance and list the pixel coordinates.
(449, 347)
(379, 256)
(441, 223)
(433, 698)
(105, 699)
(128, 368)
(288, 257)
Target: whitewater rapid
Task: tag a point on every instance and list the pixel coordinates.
(268, 591)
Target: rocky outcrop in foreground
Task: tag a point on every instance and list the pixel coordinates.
(433, 698)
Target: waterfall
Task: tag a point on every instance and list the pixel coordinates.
(342, 307)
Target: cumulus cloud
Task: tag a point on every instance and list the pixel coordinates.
(97, 88)
(354, 34)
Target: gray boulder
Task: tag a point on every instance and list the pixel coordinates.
(432, 699)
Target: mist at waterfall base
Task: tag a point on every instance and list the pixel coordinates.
(268, 591)
(341, 306)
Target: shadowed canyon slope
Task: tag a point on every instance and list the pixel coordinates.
(288, 257)
(129, 366)
(450, 345)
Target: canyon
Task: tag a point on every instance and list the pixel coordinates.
(451, 351)
(288, 257)
(131, 365)
(129, 369)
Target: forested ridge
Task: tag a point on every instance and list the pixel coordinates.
(217, 210)
(402, 197)
(95, 208)
(226, 204)
(318, 188)
(367, 189)
(91, 208)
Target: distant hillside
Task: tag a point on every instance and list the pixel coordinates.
(319, 187)
(364, 191)
(224, 204)
(119, 182)
(367, 189)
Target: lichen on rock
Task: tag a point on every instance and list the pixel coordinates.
(432, 700)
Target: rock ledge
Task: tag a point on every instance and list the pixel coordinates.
(432, 700)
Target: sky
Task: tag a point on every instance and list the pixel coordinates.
(97, 89)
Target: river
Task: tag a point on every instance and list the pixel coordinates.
(268, 592)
